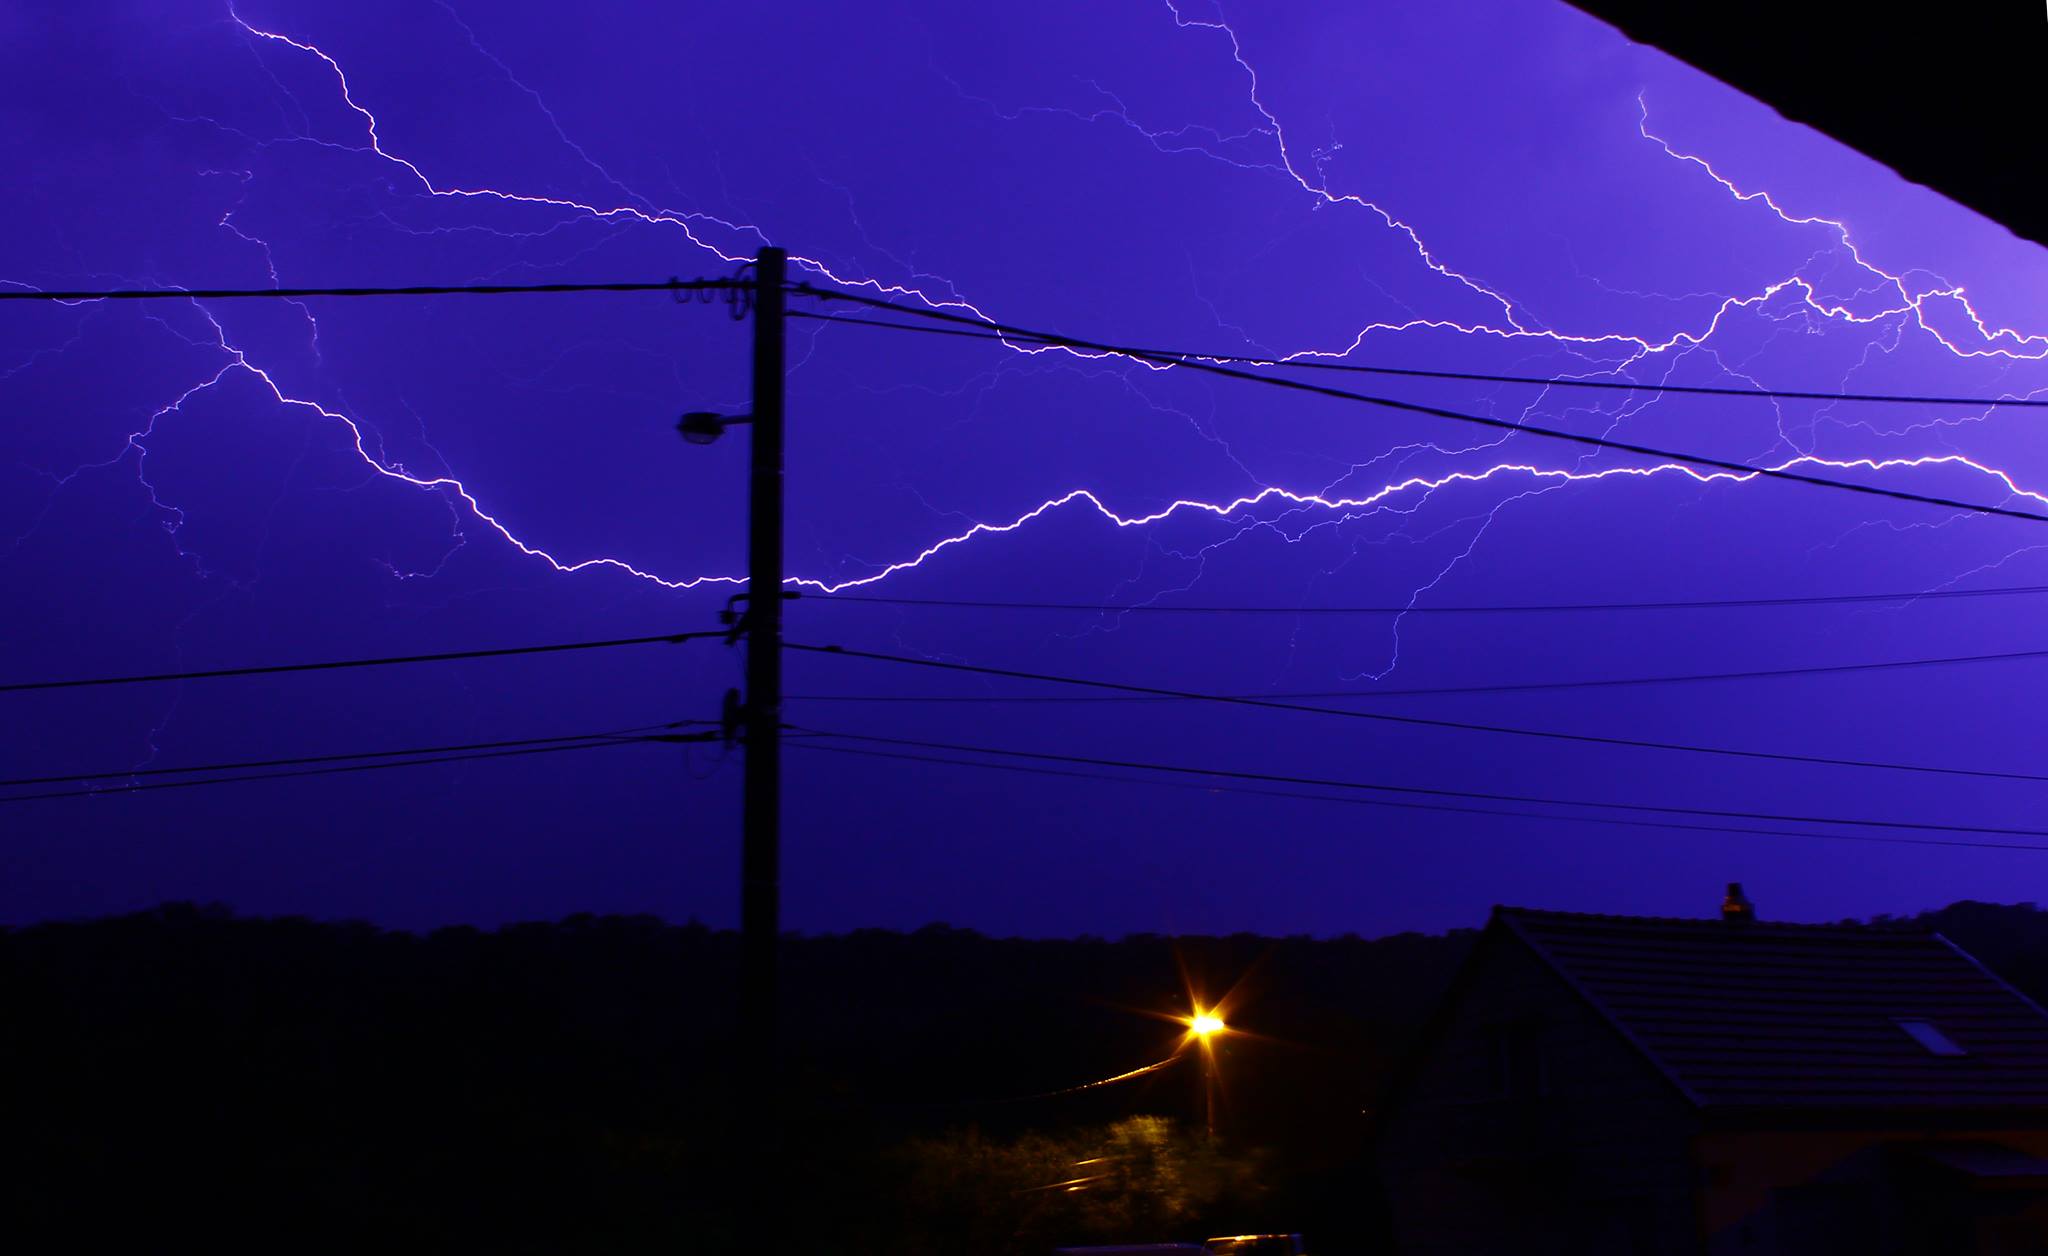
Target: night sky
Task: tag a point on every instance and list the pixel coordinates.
(1491, 187)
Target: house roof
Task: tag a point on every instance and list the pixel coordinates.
(1754, 1014)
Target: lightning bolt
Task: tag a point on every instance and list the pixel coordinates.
(1892, 306)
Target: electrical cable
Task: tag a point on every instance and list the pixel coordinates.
(330, 771)
(1356, 368)
(1409, 691)
(1211, 787)
(21, 781)
(1739, 469)
(1425, 721)
(415, 290)
(1528, 608)
(336, 664)
(1424, 791)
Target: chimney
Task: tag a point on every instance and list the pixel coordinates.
(1736, 908)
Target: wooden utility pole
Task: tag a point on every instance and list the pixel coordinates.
(761, 846)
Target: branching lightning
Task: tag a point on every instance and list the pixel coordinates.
(1893, 305)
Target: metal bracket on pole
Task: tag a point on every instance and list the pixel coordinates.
(731, 715)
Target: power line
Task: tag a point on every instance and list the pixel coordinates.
(416, 290)
(1819, 599)
(1424, 721)
(355, 767)
(1547, 381)
(1186, 356)
(1211, 787)
(337, 664)
(1539, 800)
(1421, 690)
(1741, 469)
(242, 765)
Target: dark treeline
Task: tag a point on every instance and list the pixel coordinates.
(569, 1086)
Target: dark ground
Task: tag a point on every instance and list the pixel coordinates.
(188, 1074)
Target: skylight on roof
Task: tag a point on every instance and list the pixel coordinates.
(1925, 1033)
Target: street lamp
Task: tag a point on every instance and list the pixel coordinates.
(701, 427)
(1204, 1025)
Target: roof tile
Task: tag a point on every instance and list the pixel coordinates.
(1754, 1013)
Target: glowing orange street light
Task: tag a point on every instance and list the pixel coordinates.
(1203, 1026)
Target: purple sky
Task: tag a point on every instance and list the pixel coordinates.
(1488, 187)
